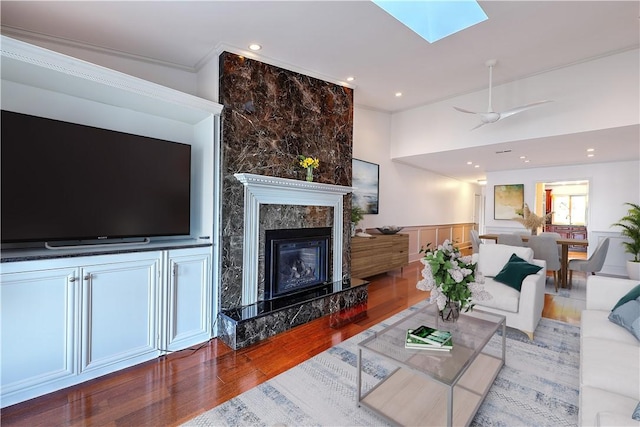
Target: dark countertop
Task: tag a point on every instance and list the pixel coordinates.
(41, 253)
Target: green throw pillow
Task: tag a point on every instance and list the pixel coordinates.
(630, 296)
(628, 316)
(514, 272)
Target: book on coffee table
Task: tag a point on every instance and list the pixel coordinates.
(414, 343)
(430, 335)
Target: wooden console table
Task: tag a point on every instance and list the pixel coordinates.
(378, 254)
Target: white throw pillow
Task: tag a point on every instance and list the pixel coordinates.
(491, 258)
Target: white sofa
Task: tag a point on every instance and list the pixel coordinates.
(522, 309)
(609, 358)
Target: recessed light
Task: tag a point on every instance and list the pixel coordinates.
(350, 78)
(476, 166)
(523, 157)
(469, 163)
(590, 155)
(255, 46)
(526, 161)
(398, 94)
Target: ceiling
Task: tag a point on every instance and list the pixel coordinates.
(336, 39)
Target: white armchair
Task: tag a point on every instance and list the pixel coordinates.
(523, 308)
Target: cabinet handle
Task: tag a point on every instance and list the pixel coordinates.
(87, 277)
(72, 279)
(175, 270)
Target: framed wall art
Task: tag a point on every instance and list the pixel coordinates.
(366, 177)
(508, 201)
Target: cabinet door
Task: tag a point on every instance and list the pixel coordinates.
(400, 250)
(119, 314)
(370, 256)
(188, 298)
(37, 331)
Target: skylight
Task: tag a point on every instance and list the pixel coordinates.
(434, 19)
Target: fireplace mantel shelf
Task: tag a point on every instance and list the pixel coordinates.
(261, 189)
(251, 180)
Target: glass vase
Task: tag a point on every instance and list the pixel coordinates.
(309, 174)
(451, 311)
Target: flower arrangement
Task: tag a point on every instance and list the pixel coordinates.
(531, 221)
(309, 163)
(451, 277)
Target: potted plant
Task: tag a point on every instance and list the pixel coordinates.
(630, 224)
(357, 213)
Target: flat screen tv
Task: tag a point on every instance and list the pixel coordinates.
(67, 182)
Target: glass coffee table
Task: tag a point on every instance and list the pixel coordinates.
(434, 388)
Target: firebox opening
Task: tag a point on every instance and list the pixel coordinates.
(296, 261)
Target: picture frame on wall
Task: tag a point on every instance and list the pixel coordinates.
(366, 183)
(508, 201)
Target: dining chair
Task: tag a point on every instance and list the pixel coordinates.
(593, 264)
(556, 236)
(510, 239)
(546, 248)
(475, 240)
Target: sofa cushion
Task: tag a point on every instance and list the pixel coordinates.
(594, 324)
(611, 365)
(636, 413)
(629, 296)
(627, 315)
(613, 419)
(503, 297)
(514, 272)
(600, 407)
(491, 258)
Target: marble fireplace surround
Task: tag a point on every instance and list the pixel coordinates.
(261, 189)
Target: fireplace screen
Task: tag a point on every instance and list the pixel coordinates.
(295, 260)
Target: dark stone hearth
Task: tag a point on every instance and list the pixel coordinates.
(248, 325)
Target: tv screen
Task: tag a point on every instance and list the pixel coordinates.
(64, 181)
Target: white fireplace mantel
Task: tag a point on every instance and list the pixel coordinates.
(261, 189)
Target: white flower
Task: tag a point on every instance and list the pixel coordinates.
(441, 299)
(452, 272)
(456, 274)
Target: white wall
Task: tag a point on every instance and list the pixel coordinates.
(409, 196)
(610, 186)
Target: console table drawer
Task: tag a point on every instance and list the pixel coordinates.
(378, 254)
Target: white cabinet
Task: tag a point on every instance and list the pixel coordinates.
(69, 320)
(119, 313)
(188, 298)
(37, 330)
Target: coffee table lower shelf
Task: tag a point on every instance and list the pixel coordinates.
(410, 398)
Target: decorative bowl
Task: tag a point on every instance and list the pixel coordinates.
(389, 229)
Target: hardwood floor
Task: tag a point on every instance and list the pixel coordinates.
(173, 389)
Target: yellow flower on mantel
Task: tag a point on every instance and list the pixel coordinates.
(309, 162)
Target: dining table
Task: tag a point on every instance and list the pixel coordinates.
(564, 257)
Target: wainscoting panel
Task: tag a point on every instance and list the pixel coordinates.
(420, 236)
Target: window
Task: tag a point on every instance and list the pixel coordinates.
(569, 209)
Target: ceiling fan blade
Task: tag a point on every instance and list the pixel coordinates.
(462, 110)
(522, 108)
(478, 125)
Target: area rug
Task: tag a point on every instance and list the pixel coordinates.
(538, 386)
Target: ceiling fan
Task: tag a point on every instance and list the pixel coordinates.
(491, 116)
